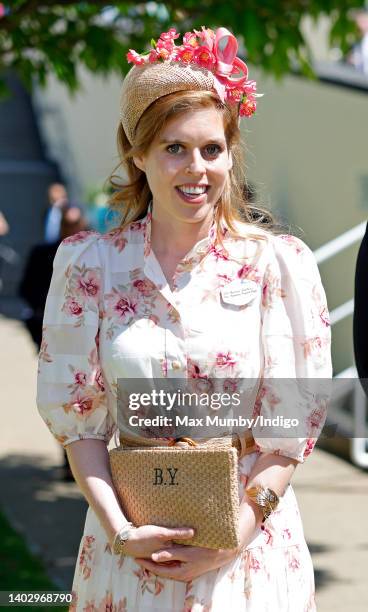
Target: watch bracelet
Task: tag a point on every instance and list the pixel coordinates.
(260, 496)
(123, 533)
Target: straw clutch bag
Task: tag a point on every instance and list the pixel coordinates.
(182, 485)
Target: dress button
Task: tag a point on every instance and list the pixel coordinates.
(175, 365)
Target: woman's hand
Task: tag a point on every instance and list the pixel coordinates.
(145, 540)
(185, 563)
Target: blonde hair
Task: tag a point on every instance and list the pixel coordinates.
(132, 197)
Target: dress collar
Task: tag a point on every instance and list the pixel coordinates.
(196, 253)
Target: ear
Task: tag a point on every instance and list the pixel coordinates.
(230, 161)
(139, 162)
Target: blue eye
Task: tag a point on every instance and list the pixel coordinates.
(171, 146)
(214, 152)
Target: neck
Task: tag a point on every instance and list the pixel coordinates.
(170, 237)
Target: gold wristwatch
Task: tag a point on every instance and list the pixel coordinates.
(264, 497)
(121, 539)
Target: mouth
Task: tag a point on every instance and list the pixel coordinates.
(192, 193)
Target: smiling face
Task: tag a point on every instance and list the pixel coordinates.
(190, 154)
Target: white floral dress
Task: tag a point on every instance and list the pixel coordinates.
(110, 313)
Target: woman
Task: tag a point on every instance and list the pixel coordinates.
(150, 299)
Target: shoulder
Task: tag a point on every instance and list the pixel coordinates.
(80, 246)
(94, 244)
(282, 246)
(290, 244)
(292, 260)
(292, 251)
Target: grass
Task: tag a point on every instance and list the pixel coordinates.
(21, 571)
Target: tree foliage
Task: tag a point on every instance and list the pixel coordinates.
(42, 37)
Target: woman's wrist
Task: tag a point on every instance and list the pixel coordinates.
(113, 528)
(257, 512)
(250, 519)
(120, 540)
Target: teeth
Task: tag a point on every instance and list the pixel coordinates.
(194, 190)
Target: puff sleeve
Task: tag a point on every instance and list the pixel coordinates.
(296, 339)
(71, 396)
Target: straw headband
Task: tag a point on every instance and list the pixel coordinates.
(206, 61)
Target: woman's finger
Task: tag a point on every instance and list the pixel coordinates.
(162, 555)
(160, 570)
(179, 553)
(176, 534)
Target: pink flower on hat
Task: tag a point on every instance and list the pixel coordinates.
(166, 44)
(247, 108)
(170, 35)
(204, 57)
(190, 40)
(163, 53)
(185, 55)
(153, 56)
(134, 58)
(234, 94)
(207, 37)
(250, 87)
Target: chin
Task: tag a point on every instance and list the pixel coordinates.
(195, 214)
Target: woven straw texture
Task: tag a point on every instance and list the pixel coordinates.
(204, 494)
(145, 84)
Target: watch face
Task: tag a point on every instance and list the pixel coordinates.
(118, 545)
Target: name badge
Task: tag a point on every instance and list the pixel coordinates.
(239, 292)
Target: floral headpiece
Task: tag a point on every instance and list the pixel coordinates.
(214, 51)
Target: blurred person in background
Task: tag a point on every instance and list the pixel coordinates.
(58, 201)
(4, 227)
(7, 253)
(360, 320)
(100, 217)
(358, 56)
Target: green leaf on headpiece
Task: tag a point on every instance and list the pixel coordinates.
(153, 43)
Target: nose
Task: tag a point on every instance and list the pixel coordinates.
(195, 163)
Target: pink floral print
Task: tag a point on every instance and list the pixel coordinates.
(79, 237)
(82, 291)
(86, 556)
(250, 273)
(73, 308)
(225, 361)
(314, 346)
(121, 306)
(149, 582)
(115, 238)
(43, 354)
(144, 286)
(271, 290)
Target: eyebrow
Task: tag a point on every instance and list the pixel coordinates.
(179, 141)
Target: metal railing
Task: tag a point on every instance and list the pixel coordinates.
(358, 447)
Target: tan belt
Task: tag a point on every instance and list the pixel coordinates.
(243, 442)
